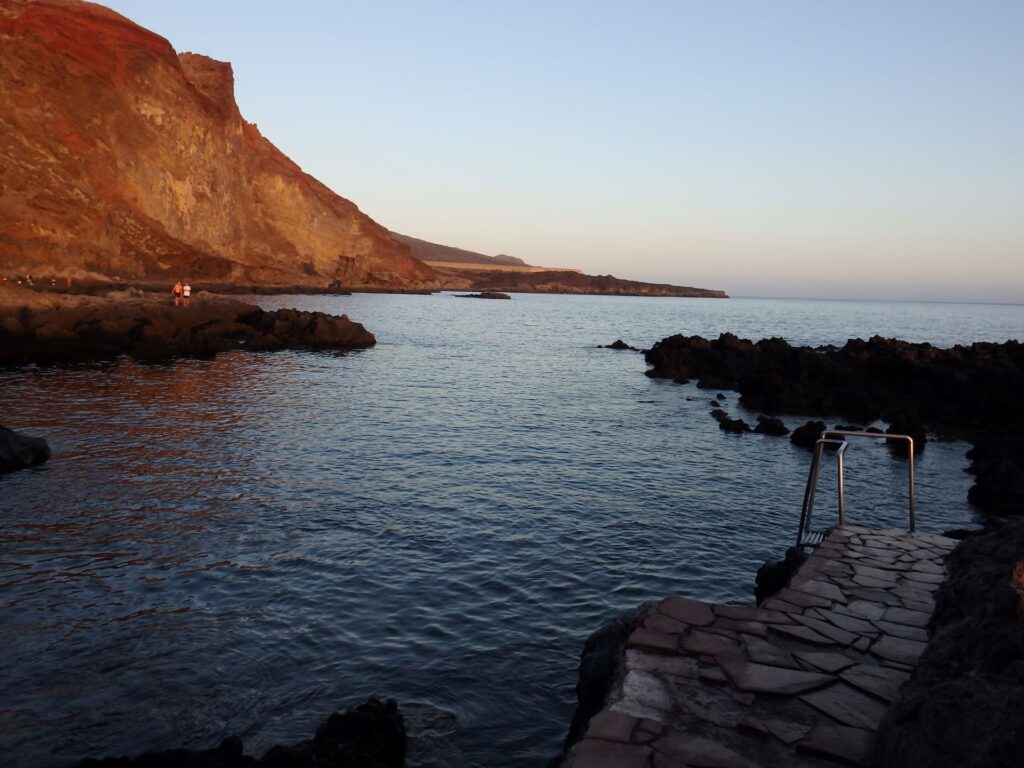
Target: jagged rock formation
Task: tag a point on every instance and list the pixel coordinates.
(42, 328)
(966, 392)
(21, 451)
(120, 157)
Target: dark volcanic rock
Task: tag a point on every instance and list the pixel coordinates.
(966, 392)
(601, 666)
(20, 451)
(719, 415)
(768, 425)
(806, 435)
(775, 574)
(734, 425)
(619, 344)
(483, 295)
(910, 426)
(54, 329)
(371, 735)
(964, 706)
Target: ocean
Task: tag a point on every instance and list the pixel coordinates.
(244, 544)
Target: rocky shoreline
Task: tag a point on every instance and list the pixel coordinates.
(969, 393)
(370, 735)
(48, 328)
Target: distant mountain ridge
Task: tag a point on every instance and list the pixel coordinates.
(425, 251)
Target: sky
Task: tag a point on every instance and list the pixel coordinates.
(798, 148)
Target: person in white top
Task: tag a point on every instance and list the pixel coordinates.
(186, 291)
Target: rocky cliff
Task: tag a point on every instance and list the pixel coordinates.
(120, 157)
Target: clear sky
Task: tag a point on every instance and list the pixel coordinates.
(777, 148)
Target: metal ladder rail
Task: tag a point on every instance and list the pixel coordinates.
(806, 537)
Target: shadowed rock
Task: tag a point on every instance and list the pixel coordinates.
(371, 735)
(20, 451)
(52, 329)
(964, 706)
(967, 392)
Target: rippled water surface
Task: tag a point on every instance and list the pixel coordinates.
(244, 544)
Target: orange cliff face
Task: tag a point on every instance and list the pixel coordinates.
(120, 157)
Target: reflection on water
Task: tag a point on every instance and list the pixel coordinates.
(242, 545)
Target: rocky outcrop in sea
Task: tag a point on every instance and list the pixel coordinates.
(965, 392)
(49, 328)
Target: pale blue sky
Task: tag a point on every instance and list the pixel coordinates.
(830, 149)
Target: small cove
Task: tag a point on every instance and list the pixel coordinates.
(244, 544)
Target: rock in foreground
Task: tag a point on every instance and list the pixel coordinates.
(965, 705)
(20, 451)
(42, 328)
(371, 735)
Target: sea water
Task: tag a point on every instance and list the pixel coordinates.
(244, 544)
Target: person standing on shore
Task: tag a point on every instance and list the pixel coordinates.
(186, 292)
(176, 292)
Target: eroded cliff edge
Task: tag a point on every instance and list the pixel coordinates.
(122, 158)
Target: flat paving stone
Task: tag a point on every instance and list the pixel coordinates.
(659, 622)
(909, 618)
(826, 661)
(761, 678)
(705, 683)
(803, 599)
(830, 631)
(879, 681)
(849, 705)
(750, 613)
(649, 640)
(843, 621)
(686, 610)
(862, 609)
(708, 643)
(699, 752)
(594, 753)
(818, 588)
(612, 726)
(746, 627)
(803, 634)
(847, 745)
(898, 649)
(763, 652)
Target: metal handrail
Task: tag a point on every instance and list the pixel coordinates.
(829, 437)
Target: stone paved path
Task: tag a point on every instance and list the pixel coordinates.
(801, 681)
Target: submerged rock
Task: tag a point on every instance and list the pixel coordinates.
(371, 735)
(21, 451)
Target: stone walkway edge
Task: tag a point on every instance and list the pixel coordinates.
(802, 680)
